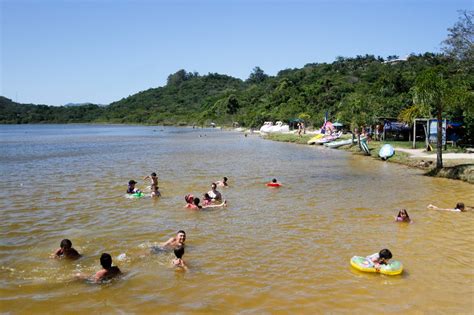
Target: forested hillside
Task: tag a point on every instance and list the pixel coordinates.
(354, 91)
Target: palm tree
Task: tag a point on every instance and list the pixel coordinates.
(431, 89)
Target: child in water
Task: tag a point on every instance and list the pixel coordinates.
(131, 187)
(460, 207)
(380, 258)
(403, 216)
(207, 200)
(66, 250)
(106, 273)
(178, 261)
(154, 184)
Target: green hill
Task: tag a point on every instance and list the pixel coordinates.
(354, 91)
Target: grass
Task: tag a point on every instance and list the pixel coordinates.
(452, 169)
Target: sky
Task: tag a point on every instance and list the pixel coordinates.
(100, 51)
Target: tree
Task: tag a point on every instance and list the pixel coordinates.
(257, 76)
(460, 41)
(431, 89)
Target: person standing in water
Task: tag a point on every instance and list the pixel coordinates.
(214, 194)
(153, 184)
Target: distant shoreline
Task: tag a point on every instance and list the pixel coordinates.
(461, 168)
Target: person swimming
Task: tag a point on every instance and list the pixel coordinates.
(223, 182)
(403, 216)
(460, 207)
(107, 272)
(66, 250)
(175, 241)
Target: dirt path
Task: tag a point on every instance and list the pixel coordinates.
(421, 154)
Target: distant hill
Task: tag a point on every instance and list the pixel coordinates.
(15, 113)
(82, 104)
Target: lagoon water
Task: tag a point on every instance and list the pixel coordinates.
(270, 251)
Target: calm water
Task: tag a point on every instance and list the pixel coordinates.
(270, 251)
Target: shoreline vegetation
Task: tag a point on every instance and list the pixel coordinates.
(454, 168)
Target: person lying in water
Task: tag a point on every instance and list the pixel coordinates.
(460, 207)
(106, 273)
(66, 250)
(196, 206)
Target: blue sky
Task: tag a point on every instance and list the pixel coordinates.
(56, 52)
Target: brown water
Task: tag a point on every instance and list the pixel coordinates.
(278, 251)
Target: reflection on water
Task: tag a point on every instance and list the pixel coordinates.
(271, 250)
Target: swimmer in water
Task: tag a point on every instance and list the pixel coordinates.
(403, 216)
(153, 184)
(66, 251)
(178, 261)
(196, 206)
(460, 207)
(222, 183)
(176, 241)
(106, 273)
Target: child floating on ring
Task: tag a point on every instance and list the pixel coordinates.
(380, 258)
(274, 183)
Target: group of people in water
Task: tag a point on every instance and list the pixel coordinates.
(153, 185)
(212, 199)
(108, 272)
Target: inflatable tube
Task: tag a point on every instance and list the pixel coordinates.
(138, 195)
(273, 184)
(363, 264)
